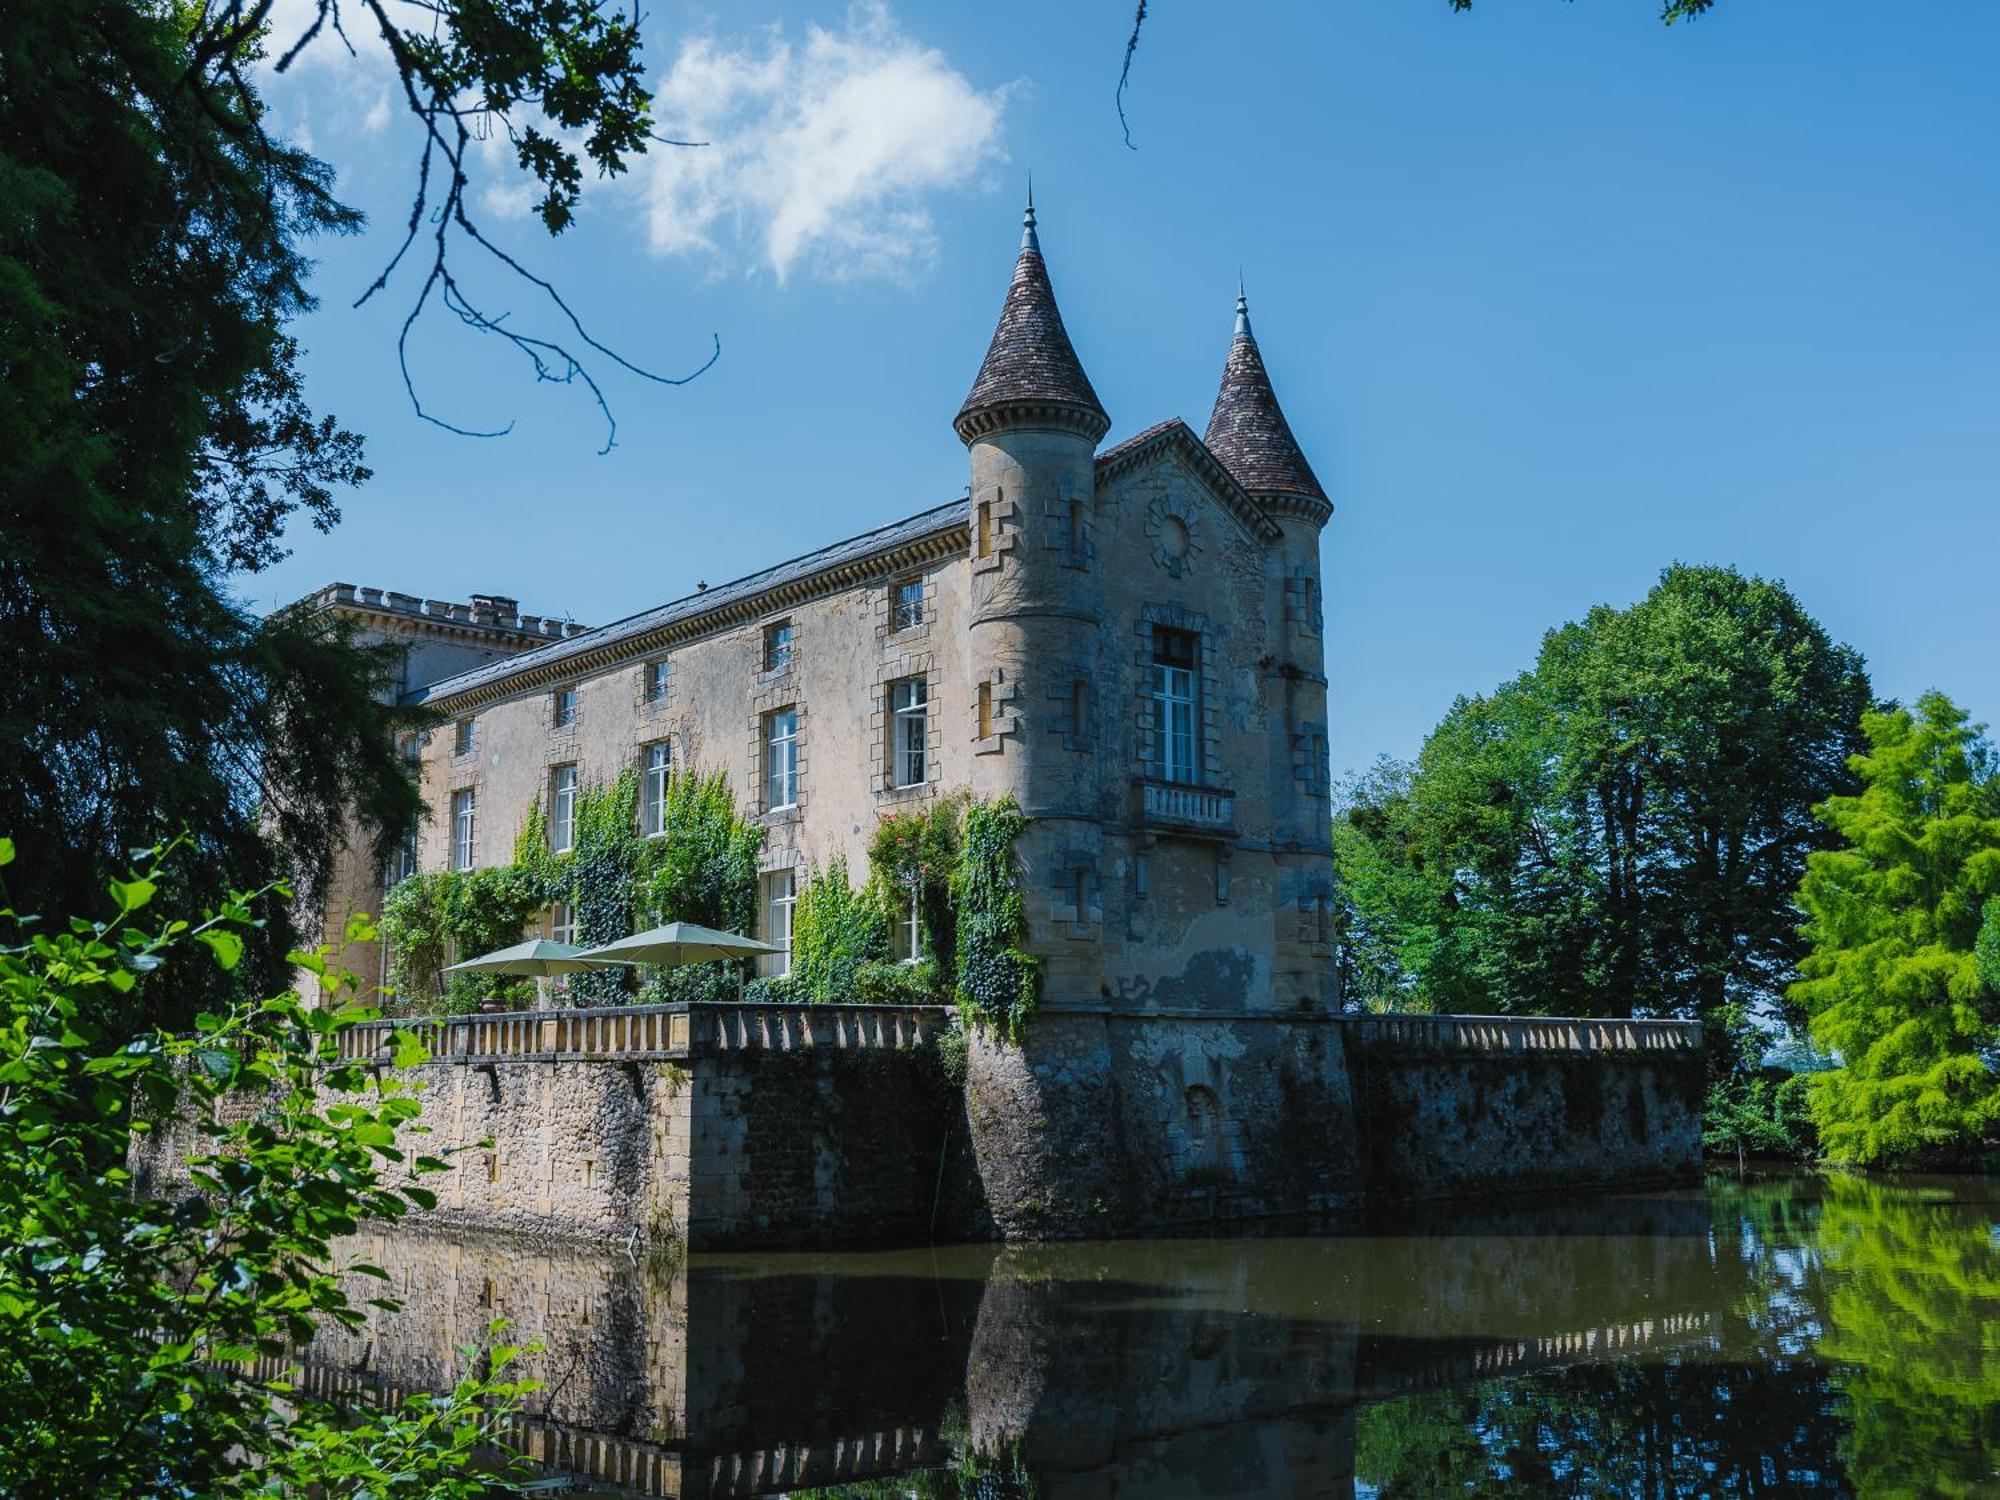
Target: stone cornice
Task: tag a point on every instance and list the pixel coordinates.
(635, 647)
(1058, 416)
(1304, 507)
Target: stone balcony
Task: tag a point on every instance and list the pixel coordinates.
(1197, 811)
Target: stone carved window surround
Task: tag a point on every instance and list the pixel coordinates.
(996, 528)
(1209, 730)
(1076, 894)
(767, 700)
(882, 728)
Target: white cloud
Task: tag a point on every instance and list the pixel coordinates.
(819, 156)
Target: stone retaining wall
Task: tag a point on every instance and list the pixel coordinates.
(750, 1125)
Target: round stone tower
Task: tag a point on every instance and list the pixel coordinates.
(1031, 424)
(1248, 432)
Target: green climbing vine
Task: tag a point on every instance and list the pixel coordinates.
(704, 870)
(953, 860)
(996, 979)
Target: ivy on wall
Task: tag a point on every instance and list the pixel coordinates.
(997, 981)
(955, 859)
(703, 870)
(430, 918)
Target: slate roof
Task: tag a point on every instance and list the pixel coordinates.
(941, 518)
(1031, 359)
(1248, 431)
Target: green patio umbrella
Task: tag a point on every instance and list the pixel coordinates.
(537, 958)
(678, 943)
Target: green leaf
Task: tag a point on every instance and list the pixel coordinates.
(225, 945)
(131, 895)
(6, 851)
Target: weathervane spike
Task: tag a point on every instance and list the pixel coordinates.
(1242, 306)
(1028, 240)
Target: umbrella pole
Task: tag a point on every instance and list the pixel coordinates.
(541, 992)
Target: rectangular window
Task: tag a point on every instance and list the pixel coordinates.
(780, 896)
(653, 788)
(462, 737)
(1079, 709)
(906, 933)
(464, 815)
(1079, 540)
(402, 864)
(656, 682)
(565, 707)
(1080, 895)
(985, 710)
(562, 809)
(778, 646)
(781, 759)
(909, 743)
(562, 923)
(906, 604)
(982, 540)
(1174, 687)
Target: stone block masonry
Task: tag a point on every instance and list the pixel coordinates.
(739, 1126)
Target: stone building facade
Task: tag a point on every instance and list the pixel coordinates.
(1128, 640)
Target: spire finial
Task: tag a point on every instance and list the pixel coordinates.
(1028, 240)
(1242, 308)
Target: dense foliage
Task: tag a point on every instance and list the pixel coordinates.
(153, 243)
(1893, 981)
(129, 1323)
(1618, 830)
(997, 980)
(702, 869)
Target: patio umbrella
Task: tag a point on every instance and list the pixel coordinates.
(678, 943)
(537, 958)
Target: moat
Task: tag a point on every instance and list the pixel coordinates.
(1787, 1334)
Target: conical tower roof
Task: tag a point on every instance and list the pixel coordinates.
(1031, 369)
(1247, 430)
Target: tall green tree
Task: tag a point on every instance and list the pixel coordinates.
(157, 439)
(1620, 829)
(1893, 983)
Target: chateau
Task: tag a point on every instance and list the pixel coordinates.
(1127, 641)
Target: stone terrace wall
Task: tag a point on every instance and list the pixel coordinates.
(1453, 1107)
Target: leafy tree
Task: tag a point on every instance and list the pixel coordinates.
(130, 1324)
(1892, 983)
(705, 871)
(1620, 829)
(153, 236)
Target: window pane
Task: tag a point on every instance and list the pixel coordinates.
(908, 604)
(778, 646)
(462, 822)
(562, 809)
(910, 739)
(781, 759)
(653, 795)
(656, 681)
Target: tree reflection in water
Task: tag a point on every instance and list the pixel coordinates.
(1786, 1335)
(1861, 1356)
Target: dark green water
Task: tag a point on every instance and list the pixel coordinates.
(1785, 1335)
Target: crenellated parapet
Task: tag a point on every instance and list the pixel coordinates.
(494, 614)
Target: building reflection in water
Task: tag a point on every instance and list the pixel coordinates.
(1656, 1344)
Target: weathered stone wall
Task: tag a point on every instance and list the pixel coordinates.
(820, 1146)
(1109, 1124)
(1444, 1125)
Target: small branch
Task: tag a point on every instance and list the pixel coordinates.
(1125, 74)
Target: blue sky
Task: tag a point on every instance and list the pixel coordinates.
(1553, 296)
